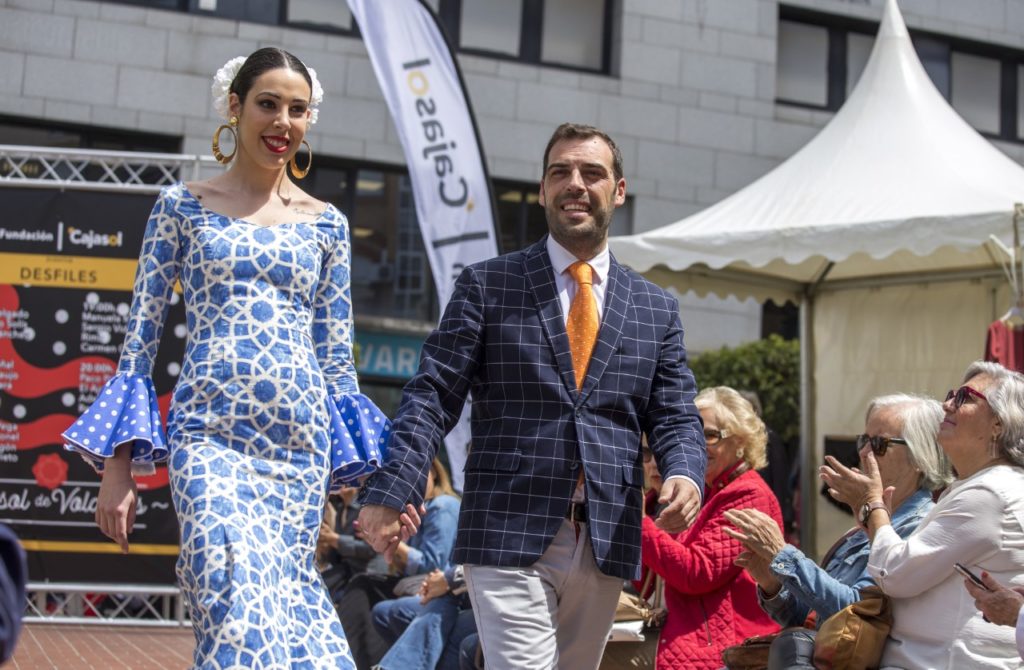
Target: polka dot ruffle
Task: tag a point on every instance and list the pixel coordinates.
(125, 410)
(359, 437)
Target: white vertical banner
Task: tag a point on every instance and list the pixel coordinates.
(423, 88)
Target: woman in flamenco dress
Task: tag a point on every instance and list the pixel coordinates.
(266, 416)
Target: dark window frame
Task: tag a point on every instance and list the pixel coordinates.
(839, 27)
(449, 12)
(95, 137)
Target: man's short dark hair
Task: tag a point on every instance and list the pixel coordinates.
(579, 131)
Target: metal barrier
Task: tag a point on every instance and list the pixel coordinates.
(120, 171)
(118, 604)
(96, 170)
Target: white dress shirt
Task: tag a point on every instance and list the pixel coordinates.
(561, 259)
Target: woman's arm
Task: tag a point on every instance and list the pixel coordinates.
(966, 529)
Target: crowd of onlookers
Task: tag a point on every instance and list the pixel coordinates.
(938, 484)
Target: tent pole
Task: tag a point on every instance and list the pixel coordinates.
(808, 462)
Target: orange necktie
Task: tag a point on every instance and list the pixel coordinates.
(582, 323)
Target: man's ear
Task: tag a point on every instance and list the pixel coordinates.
(620, 192)
(541, 198)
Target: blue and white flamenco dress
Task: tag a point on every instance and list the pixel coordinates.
(265, 417)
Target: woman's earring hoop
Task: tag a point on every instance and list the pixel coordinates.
(293, 164)
(230, 125)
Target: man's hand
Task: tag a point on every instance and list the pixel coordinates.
(379, 526)
(384, 528)
(115, 505)
(999, 604)
(682, 502)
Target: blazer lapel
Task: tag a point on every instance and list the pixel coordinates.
(613, 318)
(540, 277)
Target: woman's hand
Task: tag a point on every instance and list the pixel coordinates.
(433, 586)
(115, 507)
(998, 604)
(852, 486)
(759, 570)
(327, 540)
(758, 532)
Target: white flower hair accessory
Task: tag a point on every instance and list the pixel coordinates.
(316, 95)
(221, 89)
(222, 85)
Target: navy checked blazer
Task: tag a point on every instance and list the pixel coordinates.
(502, 337)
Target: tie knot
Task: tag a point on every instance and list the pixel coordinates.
(582, 272)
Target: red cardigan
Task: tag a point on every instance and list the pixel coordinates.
(712, 603)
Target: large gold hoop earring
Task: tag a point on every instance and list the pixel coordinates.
(230, 125)
(293, 164)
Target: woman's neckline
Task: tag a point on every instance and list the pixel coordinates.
(199, 203)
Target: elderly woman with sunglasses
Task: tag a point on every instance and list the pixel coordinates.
(900, 433)
(978, 521)
(711, 602)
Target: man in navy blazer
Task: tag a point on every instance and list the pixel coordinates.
(550, 519)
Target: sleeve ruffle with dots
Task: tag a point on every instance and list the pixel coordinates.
(125, 411)
(359, 430)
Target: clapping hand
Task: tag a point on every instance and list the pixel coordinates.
(853, 486)
(757, 532)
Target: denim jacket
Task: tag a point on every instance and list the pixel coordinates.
(806, 587)
(431, 547)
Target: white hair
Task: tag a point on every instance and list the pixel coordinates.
(1006, 398)
(920, 418)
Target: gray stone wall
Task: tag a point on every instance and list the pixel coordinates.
(691, 101)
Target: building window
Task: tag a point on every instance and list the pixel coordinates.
(1020, 102)
(58, 135)
(802, 64)
(391, 276)
(566, 33)
(858, 50)
(573, 34)
(491, 25)
(821, 57)
(975, 90)
(319, 14)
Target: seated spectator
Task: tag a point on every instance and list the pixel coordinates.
(901, 432)
(976, 522)
(340, 552)
(712, 602)
(13, 576)
(426, 631)
(428, 550)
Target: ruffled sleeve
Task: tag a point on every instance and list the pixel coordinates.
(124, 411)
(359, 435)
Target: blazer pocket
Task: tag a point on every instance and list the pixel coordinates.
(631, 474)
(503, 461)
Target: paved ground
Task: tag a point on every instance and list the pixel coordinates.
(45, 646)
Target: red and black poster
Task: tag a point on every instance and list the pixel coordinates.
(67, 264)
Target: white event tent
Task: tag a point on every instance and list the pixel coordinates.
(891, 229)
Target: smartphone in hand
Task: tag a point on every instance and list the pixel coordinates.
(965, 571)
